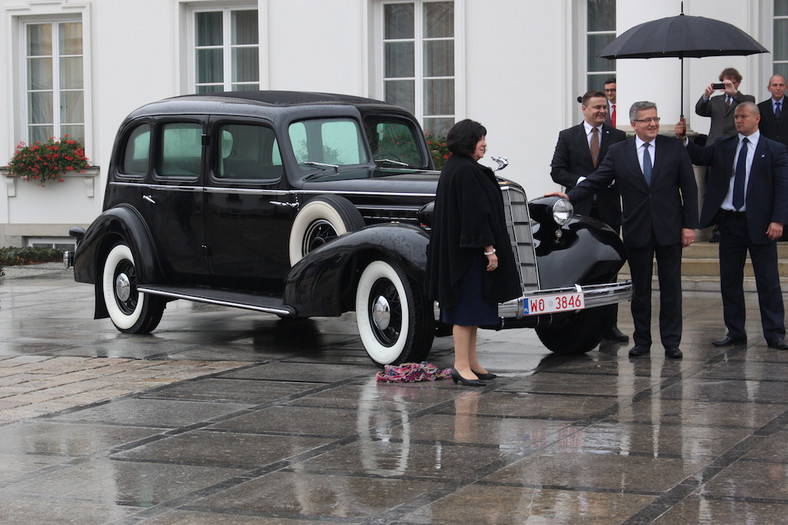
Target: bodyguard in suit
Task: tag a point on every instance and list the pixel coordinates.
(774, 115)
(721, 108)
(578, 152)
(654, 176)
(747, 194)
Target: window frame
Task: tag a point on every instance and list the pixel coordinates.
(584, 75)
(378, 62)
(48, 13)
(771, 65)
(189, 45)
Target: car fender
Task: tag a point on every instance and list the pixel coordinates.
(583, 251)
(323, 283)
(124, 223)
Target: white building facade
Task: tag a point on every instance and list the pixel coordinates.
(78, 67)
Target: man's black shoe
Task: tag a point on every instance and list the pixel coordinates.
(614, 334)
(673, 352)
(779, 344)
(729, 341)
(638, 351)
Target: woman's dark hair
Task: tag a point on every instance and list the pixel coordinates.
(463, 137)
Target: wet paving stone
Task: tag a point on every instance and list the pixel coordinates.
(700, 509)
(222, 449)
(558, 466)
(297, 421)
(120, 482)
(152, 412)
(304, 495)
(750, 480)
(69, 439)
(488, 503)
(223, 390)
(23, 509)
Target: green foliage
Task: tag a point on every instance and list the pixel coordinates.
(47, 162)
(439, 150)
(18, 256)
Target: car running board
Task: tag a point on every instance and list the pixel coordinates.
(259, 303)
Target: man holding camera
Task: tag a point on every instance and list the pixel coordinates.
(721, 108)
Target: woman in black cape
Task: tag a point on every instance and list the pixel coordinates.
(470, 265)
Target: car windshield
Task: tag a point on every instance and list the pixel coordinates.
(327, 142)
(394, 142)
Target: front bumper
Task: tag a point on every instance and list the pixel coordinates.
(593, 296)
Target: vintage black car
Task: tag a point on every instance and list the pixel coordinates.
(311, 204)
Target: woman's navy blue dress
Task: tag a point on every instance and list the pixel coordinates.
(472, 310)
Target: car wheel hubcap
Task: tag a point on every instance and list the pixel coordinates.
(381, 313)
(122, 287)
(318, 234)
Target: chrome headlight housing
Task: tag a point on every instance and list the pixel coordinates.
(562, 211)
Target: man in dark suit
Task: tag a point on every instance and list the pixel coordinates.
(721, 108)
(774, 114)
(654, 176)
(578, 152)
(747, 194)
(610, 93)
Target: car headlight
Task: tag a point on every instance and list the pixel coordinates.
(562, 211)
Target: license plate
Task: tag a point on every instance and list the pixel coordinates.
(563, 302)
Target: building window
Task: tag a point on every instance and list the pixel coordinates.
(226, 50)
(780, 43)
(55, 85)
(419, 61)
(600, 31)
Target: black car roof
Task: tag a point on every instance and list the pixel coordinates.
(245, 102)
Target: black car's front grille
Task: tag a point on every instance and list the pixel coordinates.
(518, 223)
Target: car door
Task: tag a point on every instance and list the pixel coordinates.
(172, 204)
(249, 209)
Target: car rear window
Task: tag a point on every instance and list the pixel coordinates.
(136, 156)
(181, 152)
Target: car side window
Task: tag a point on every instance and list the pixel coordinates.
(136, 153)
(249, 152)
(181, 150)
(394, 140)
(328, 141)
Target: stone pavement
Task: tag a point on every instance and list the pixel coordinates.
(226, 416)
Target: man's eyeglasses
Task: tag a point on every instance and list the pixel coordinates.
(610, 90)
(648, 120)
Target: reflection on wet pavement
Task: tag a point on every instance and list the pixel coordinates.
(224, 416)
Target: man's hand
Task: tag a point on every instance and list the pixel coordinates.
(557, 194)
(687, 236)
(775, 231)
(680, 129)
(730, 88)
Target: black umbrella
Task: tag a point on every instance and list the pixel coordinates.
(682, 36)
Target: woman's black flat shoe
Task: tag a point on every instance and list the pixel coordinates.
(484, 377)
(467, 382)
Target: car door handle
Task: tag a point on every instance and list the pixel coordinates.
(149, 199)
(285, 204)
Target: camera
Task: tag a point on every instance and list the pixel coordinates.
(718, 85)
